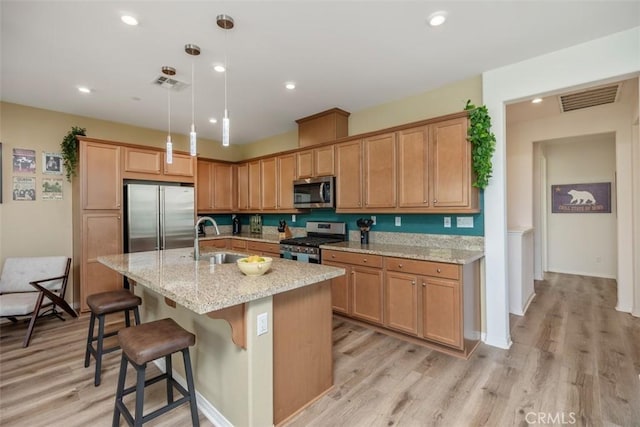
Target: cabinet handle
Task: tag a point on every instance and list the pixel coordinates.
(353, 272)
(438, 270)
(333, 256)
(413, 282)
(424, 284)
(399, 265)
(435, 201)
(425, 201)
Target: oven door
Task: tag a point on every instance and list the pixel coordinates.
(300, 256)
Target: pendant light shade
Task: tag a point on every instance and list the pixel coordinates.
(226, 23)
(169, 71)
(192, 50)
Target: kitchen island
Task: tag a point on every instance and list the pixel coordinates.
(242, 378)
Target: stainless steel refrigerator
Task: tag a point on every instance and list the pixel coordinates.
(158, 217)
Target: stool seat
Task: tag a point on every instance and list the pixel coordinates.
(150, 341)
(112, 301)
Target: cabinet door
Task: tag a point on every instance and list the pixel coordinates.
(101, 180)
(254, 185)
(323, 159)
(304, 163)
(441, 315)
(286, 174)
(268, 181)
(450, 163)
(413, 168)
(380, 171)
(401, 302)
(183, 165)
(243, 186)
(101, 235)
(222, 174)
(367, 294)
(205, 187)
(340, 300)
(143, 161)
(349, 175)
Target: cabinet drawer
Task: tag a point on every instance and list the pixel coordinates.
(263, 247)
(424, 268)
(352, 258)
(215, 243)
(238, 244)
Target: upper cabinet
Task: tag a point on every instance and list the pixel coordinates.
(349, 175)
(323, 127)
(149, 164)
(242, 174)
(182, 165)
(286, 168)
(215, 187)
(379, 177)
(316, 162)
(254, 185)
(413, 168)
(268, 184)
(100, 176)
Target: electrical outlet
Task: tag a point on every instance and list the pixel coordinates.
(263, 323)
(373, 218)
(464, 222)
(293, 218)
(447, 222)
(398, 221)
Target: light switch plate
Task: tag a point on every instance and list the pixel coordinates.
(373, 218)
(464, 222)
(398, 221)
(263, 323)
(447, 222)
(293, 218)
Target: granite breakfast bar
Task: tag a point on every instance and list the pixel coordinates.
(242, 378)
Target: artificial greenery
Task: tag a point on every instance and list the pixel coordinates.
(69, 147)
(483, 141)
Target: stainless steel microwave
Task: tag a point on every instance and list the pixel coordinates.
(314, 192)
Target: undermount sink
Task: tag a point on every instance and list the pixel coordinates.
(222, 258)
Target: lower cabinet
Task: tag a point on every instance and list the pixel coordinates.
(215, 243)
(434, 301)
(359, 293)
(263, 248)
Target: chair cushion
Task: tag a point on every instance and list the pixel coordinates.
(112, 301)
(150, 341)
(20, 303)
(19, 271)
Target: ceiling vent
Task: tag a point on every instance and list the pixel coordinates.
(169, 83)
(589, 98)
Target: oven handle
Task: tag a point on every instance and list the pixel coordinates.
(322, 200)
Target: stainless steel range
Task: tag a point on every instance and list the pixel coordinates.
(307, 248)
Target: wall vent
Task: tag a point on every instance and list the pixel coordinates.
(589, 98)
(169, 83)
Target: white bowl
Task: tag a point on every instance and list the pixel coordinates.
(254, 268)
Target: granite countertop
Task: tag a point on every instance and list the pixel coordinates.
(203, 287)
(265, 237)
(424, 253)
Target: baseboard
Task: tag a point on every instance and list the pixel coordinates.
(582, 273)
(499, 342)
(204, 405)
(529, 301)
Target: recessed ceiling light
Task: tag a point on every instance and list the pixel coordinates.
(212, 120)
(536, 100)
(129, 20)
(219, 68)
(290, 85)
(437, 18)
(84, 89)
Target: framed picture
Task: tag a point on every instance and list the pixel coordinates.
(24, 188)
(581, 198)
(52, 163)
(51, 188)
(24, 160)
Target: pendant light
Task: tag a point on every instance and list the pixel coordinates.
(192, 50)
(226, 23)
(169, 71)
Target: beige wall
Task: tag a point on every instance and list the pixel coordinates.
(441, 101)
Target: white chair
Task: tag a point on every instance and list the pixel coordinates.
(34, 286)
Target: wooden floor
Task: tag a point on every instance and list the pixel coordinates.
(573, 358)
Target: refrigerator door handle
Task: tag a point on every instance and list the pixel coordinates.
(161, 237)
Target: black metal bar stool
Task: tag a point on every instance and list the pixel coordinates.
(101, 304)
(142, 344)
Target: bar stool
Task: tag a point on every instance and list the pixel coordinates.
(142, 344)
(101, 304)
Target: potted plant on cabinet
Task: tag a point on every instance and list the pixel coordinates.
(69, 147)
(483, 142)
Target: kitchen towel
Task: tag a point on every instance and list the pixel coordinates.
(303, 257)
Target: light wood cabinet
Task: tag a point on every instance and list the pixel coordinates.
(263, 248)
(254, 186)
(401, 297)
(360, 293)
(349, 175)
(268, 184)
(379, 178)
(451, 165)
(100, 176)
(316, 162)
(214, 187)
(142, 161)
(442, 314)
(183, 165)
(216, 243)
(238, 244)
(323, 127)
(286, 168)
(242, 173)
(413, 168)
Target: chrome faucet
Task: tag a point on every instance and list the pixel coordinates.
(196, 242)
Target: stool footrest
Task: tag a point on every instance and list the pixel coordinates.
(124, 411)
(154, 380)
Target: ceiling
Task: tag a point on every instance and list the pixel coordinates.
(348, 54)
